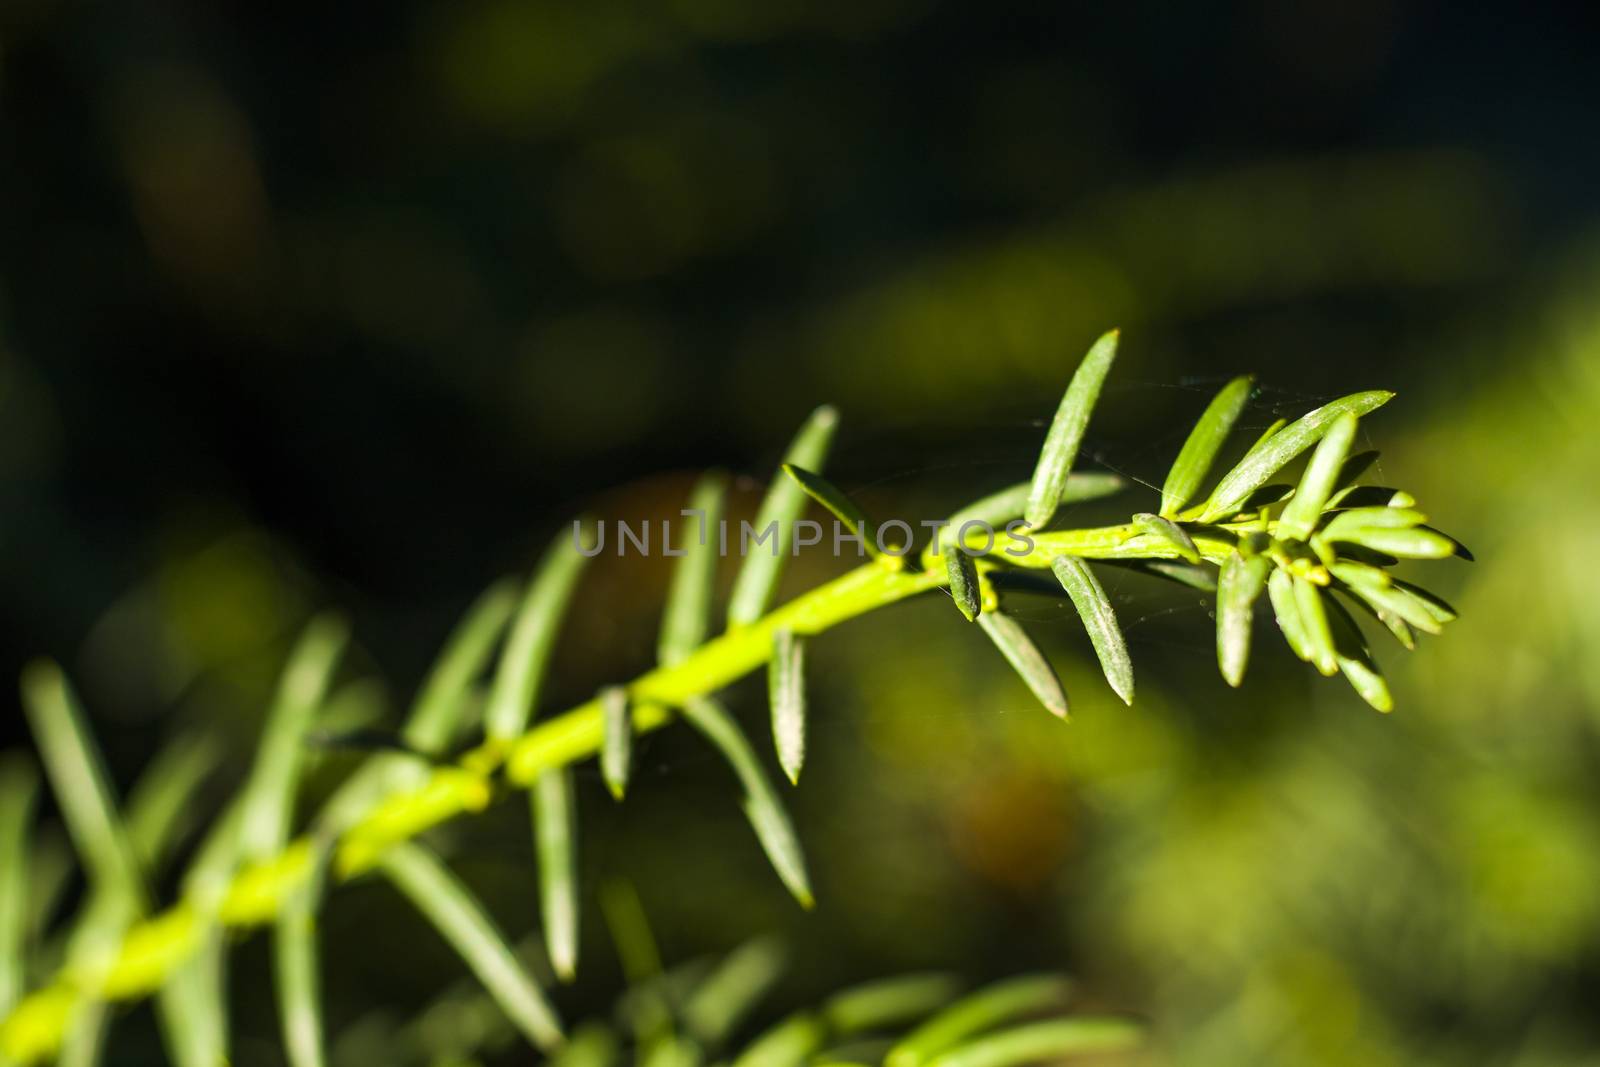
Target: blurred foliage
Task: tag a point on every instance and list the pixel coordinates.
(345, 307)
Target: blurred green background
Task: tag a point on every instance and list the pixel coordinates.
(354, 307)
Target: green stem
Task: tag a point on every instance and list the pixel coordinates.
(153, 949)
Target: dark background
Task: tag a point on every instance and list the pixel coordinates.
(354, 307)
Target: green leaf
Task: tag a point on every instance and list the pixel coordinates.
(83, 1044)
(462, 921)
(1391, 601)
(888, 1003)
(995, 512)
(860, 1052)
(1238, 587)
(669, 1050)
(763, 805)
(591, 1045)
(1314, 626)
(526, 654)
(436, 717)
(616, 746)
(267, 800)
(19, 791)
(964, 582)
(992, 1006)
(555, 838)
(296, 971)
(1007, 505)
(1437, 607)
(1170, 532)
(1205, 440)
(1360, 579)
(161, 805)
(1286, 609)
(190, 1005)
(1045, 1042)
(728, 994)
(1355, 659)
(1272, 453)
(1066, 431)
(1351, 470)
(1202, 576)
(1305, 507)
(436, 714)
(1026, 659)
(1418, 542)
(1100, 620)
(788, 1044)
(1378, 518)
(784, 503)
(1363, 496)
(687, 618)
(630, 931)
(1268, 434)
(193, 1001)
(1456, 546)
(1396, 626)
(786, 692)
(839, 504)
(82, 788)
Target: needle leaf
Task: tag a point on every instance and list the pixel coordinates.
(1066, 431)
(1272, 453)
(460, 918)
(1388, 599)
(77, 774)
(161, 805)
(19, 792)
(555, 838)
(255, 827)
(1170, 532)
(1205, 440)
(763, 805)
(786, 691)
(1314, 626)
(267, 802)
(73, 763)
(758, 576)
(616, 747)
(296, 971)
(1371, 518)
(1044, 1042)
(1355, 659)
(1305, 507)
(591, 1045)
(983, 1010)
(839, 504)
(1026, 659)
(888, 1002)
(1240, 583)
(1089, 597)
(687, 617)
(998, 509)
(1202, 576)
(1286, 609)
(730, 992)
(1417, 542)
(790, 1043)
(964, 582)
(435, 715)
(527, 650)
